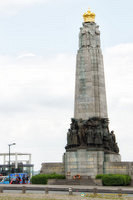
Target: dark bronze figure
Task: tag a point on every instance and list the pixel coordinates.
(91, 133)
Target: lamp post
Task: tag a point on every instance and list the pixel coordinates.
(9, 158)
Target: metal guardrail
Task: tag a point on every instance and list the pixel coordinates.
(70, 190)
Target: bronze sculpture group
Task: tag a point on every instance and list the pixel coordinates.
(91, 133)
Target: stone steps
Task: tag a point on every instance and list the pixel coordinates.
(81, 181)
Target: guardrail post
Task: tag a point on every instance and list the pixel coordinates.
(46, 190)
(1, 189)
(95, 191)
(120, 192)
(23, 189)
(70, 191)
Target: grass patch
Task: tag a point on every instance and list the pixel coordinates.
(23, 198)
(64, 197)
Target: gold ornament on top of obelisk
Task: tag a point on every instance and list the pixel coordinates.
(89, 16)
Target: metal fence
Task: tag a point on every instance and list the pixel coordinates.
(69, 190)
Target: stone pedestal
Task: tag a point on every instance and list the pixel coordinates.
(112, 157)
(86, 163)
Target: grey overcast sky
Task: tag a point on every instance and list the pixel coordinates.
(38, 45)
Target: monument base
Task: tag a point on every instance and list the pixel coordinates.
(87, 163)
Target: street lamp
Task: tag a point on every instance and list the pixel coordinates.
(9, 158)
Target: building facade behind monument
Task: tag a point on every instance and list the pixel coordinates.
(49, 168)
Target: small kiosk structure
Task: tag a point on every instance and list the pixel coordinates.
(19, 163)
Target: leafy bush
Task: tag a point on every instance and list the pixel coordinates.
(99, 176)
(114, 179)
(39, 179)
(54, 176)
(43, 178)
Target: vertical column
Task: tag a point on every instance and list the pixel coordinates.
(29, 158)
(16, 160)
(4, 159)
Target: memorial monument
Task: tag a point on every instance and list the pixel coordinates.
(91, 147)
(89, 141)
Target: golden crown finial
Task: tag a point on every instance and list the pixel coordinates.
(89, 16)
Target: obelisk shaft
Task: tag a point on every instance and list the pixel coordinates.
(90, 93)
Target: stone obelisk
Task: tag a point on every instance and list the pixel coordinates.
(90, 94)
(89, 141)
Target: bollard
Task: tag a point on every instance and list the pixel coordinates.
(120, 192)
(95, 191)
(46, 190)
(70, 191)
(23, 189)
(1, 189)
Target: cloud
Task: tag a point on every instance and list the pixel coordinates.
(37, 101)
(119, 85)
(26, 55)
(36, 104)
(118, 62)
(12, 7)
